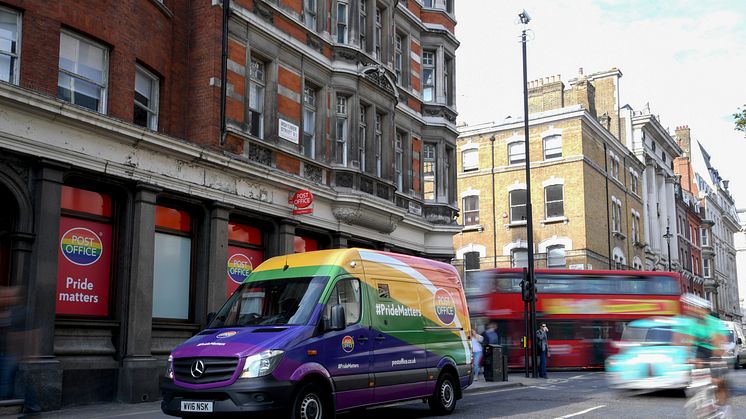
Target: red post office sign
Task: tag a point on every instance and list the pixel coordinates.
(83, 267)
(302, 202)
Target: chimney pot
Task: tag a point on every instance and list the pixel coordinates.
(580, 71)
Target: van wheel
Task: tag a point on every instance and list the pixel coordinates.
(311, 403)
(443, 400)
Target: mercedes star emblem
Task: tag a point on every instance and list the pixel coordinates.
(198, 368)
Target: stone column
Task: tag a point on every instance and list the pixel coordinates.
(41, 375)
(218, 256)
(646, 208)
(287, 236)
(138, 376)
(662, 211)
(339, 241)
(652, 220)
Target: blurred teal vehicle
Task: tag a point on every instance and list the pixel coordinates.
(653, 355)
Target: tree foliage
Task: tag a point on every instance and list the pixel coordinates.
(740, 119)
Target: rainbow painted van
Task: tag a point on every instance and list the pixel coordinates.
(321, 332)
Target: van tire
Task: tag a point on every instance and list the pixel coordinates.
(311, 402)
(443, 400)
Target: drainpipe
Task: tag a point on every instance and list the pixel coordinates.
(608, 230)
(224, 70)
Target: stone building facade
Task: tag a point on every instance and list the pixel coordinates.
(586, 208)
(131, 182)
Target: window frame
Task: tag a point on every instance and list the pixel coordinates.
(192, 236)
(155, 85)
(429, 64)
(512, 206)
(15, 57)
(343, 34)
(549, 257)
(513, 259)
(379, 143)
(310, 109)
(103, 85)
(468, 218)
(310, 11)
(399, 160)
(341, 136)
(362, 136)
(261, 86)
(433, 161)
(378, 35)
(547, 202)
(473, 160)
(363, 22)
(545, 150)
(511, 156)
(327, 305)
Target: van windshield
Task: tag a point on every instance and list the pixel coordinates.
(275, 302)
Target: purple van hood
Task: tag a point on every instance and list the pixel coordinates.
(236, 341)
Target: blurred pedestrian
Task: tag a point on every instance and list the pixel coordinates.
(542, 347)
(476, 348)
(490, 335)
(11, 343)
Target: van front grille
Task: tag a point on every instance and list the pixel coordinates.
(204, 370)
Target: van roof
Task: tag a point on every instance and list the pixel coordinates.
(341, 258)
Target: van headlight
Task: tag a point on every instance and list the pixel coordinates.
(170, 368)
(261, 364)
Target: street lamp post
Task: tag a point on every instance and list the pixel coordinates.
(531, 329)
(668, 236)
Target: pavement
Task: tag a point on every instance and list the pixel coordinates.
(123, 410)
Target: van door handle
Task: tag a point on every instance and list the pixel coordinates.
(362, 338)
(380, 337)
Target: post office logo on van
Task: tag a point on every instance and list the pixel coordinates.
(348, 343)
(239, 268)
(81, 246)
(226, 334)
(445, 306)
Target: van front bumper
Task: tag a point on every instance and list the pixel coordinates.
(263, 394)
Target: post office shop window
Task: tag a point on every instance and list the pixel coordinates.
(517, 152)
(245, 252)
(10, 45)
(347, 293)
(552, 147)
(86, 253)
(146, 99)
(83, 72)
(257, 81)
(172, 263)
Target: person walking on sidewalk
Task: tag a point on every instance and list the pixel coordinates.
(476, 348)
(490, 336)
(543, 347)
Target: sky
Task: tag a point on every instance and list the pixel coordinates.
(686, 58)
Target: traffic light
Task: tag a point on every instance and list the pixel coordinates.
(527, 288)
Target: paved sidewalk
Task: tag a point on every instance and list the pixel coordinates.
(514, 380)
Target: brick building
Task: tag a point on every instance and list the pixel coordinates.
(587, 207)
(132, 182)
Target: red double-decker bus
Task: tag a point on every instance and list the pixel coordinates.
(585, 311)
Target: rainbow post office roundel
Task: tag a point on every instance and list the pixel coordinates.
(445, 306)
(239, 268)
(81, 246)
(348, 343)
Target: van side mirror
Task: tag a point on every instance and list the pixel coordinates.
(210, 318)
(739, 341)
(337, 320)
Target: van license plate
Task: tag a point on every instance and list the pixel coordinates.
(196, 406)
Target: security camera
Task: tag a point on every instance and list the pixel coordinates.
(525, 18)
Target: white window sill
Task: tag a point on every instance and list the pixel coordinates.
(553, 220)
(472, 227)
(521, 223)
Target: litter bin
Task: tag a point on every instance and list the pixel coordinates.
(495, 364)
